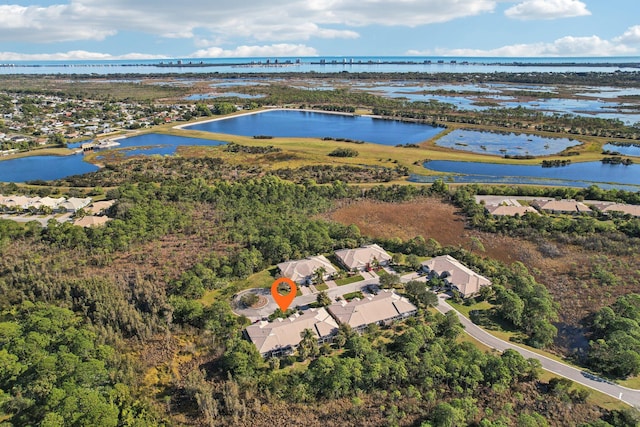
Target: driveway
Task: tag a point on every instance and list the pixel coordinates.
(627, 395)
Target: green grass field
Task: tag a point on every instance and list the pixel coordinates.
(347, 280)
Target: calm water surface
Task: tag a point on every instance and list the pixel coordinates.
(575, 174)
(293, 123)
(500, 143)
(56, 167)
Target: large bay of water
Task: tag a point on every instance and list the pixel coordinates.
(401, 64)
(294, 123)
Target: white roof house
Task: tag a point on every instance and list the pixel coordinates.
(20, 202)
(48, 202)
(362, 258)
(382, 308)
(302, 271)
(74, 204)
(467, 281)
(283, 335)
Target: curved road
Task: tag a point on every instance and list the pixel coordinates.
(627, 395)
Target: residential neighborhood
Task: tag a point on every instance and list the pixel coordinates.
(81, 211)
(522, 205)
(358, 304)
(35, 120)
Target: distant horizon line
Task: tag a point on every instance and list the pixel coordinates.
(191, 58)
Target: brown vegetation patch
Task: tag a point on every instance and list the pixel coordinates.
(569, 274)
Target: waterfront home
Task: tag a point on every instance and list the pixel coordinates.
(99, 208)
(455, 274)
(610, 207)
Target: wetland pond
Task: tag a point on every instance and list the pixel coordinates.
(574, 175)
(504, 143)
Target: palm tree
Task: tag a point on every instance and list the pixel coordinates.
(318, 275)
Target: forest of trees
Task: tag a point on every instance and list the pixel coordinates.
(418, 370)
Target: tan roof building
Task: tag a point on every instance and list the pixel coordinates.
(91, 221)
(633, 210)
(385, 307)
(562, 206)
(302, 271)
(457, 275)
(501, 210)
(362, 258)
(98, 208)
(283, 335)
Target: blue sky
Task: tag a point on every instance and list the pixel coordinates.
(133, 29)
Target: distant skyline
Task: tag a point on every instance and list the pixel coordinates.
(125, 29)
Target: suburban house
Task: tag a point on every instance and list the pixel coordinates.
(363, 258)
(74, 204)
(48, 202)
(91, 221)
(455, 274)
(502, 210)
(383, 308)
(17, 202)
(633, 210)
(282, 336)
(562, 206)
(302, 271)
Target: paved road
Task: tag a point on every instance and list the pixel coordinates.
(627, 395)
(256, 314)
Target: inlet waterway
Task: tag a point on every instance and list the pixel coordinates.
(574, 175)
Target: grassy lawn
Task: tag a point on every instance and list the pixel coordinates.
(347, 280)
(321, 287)
(633, 382)
(595, 398)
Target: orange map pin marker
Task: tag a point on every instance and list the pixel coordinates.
(283, 301)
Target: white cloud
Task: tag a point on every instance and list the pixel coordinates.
(73, 55)
(565, 46)
(547, 9)
(631, 36)
(282, 49)
(258, 20)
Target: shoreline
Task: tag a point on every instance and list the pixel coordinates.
(266, 110)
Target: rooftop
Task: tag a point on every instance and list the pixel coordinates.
(462, 277)
(361, 257)
(282, 334)
(387, 305)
